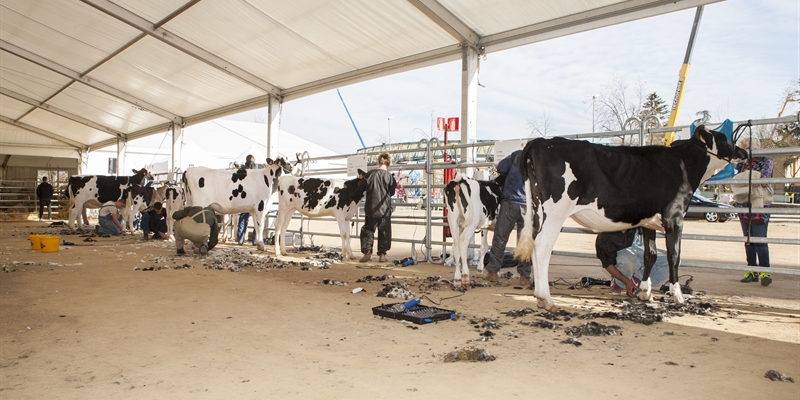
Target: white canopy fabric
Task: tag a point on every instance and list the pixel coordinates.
(80, 74)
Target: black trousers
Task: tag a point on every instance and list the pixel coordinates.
(42, 204)
(384, 228)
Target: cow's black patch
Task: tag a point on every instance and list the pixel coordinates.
(266, 180)
(490, 193)
(291, 188)
(261, 205)
(352, 192)
(239, 175)
(201, 182)
(331, 203)
(314, 189)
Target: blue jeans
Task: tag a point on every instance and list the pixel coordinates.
(108, 226)
(757, 253)
(242, 228)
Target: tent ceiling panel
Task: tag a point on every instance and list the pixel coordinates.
(67, 128)
(489, 17)
(155, 72)
(14, 135)
(12, 108)
(154, 10)
(68, 32)
(105, 109)
(24, 77)
(142, 64)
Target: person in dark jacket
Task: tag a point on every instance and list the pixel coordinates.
(244, 218)
(511, 214)
(199, 226)
(45, 194)
(381, 186)
(155, 220)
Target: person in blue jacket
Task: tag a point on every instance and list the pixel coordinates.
(512, 211)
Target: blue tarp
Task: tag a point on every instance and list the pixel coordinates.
(727, 128)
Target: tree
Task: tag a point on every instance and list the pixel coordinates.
(542, 126)
(656, 106)
(705, 117)
(616, 103)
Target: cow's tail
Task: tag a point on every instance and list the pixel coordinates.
(526, 244)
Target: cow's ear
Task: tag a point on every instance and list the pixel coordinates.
(270, 161)
(704, 136)
(135, 171)
(361, 173)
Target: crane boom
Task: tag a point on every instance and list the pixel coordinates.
(669, 137)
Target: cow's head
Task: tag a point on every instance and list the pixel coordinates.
(139, 176)
(283, 164)
(717, 144)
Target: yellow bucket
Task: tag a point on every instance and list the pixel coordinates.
(36, 244)
(50, 243)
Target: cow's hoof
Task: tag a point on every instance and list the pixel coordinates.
(547, 307)
(458, 283)
(645, 291)
(675, 289)
(465, 282)
(260, 246)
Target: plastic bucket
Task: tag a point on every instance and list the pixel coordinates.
(50, 243)
(36, 243)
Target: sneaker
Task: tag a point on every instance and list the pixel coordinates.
(616, 289)
(181, 252)
(367, 256)
(765, 279)
(491, 277)
(382, 258)
(750, 277)
(203, 249)
(97, 229)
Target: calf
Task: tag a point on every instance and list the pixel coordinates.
(137, 199)
(612, 189)
(174, 200)
(314, 197)
(93, 190)
(235, 191)
(471, 205)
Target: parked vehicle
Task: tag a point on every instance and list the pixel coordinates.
(721, 216)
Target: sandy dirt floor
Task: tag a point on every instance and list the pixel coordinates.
(92, 322)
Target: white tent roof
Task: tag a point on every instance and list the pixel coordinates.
(79, 74)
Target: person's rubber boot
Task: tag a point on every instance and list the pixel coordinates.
(524, 281)
(181, 252)
(382, 258)
(765, 279)
(366, 258)
(203, 249)
(491, 277)
(749, 277)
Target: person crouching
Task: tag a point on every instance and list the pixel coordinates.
(199, 226)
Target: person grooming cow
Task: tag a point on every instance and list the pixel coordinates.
(199, 226)
(155, 220)
(109, 218)
(622, 255)
(381, 186)
(511, 214)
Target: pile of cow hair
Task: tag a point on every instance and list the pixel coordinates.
(649, 313)
(395, 290)
(469, 354)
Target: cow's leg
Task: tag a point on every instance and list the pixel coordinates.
(467, 233)
(344, 233)
(73, 214)
(281, 224)
(649, 240)
(85, 215)
(455, 252)
(673, 239)
(258, 221)
(544, 243)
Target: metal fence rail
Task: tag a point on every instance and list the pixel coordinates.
(18, 197)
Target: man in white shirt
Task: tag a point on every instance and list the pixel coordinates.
(109, 218)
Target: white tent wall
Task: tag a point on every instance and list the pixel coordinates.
(213, 144)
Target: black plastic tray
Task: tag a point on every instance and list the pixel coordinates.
(417, 314)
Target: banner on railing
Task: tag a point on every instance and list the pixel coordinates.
(506, 147)
(354, 163)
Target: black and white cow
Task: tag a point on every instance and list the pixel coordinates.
(235, 191)
(174, 200)
(612, 189)
(138, 198)
(314, 197)
(91, 191)
(472, 205)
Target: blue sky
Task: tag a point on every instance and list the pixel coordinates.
(747, 52)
